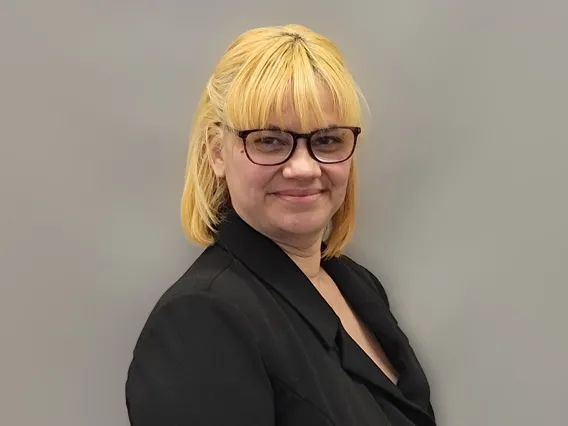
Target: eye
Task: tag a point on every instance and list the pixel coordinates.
(327, 143)
(268, 142)
(327, 140)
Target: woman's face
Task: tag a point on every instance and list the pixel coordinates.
(297, 198)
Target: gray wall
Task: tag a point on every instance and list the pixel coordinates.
(463, 189)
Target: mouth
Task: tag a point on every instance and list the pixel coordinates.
(299, 196)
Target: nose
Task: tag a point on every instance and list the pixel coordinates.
(301, 165)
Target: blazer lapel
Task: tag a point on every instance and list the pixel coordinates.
(272, 266)
(372, 311)
(412, 389)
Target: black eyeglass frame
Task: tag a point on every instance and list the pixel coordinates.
(243, 134)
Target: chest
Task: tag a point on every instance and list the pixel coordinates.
(322, 374)
(338, 382)
(355, 327)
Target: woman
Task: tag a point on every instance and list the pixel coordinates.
(272, 324)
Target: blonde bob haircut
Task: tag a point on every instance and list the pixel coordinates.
(263, 70)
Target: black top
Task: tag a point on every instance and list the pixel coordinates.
(244, 338)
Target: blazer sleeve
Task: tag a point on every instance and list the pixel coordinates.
(196, 363)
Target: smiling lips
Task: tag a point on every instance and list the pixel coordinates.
(299, 195)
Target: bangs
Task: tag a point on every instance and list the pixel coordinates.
(286, 73)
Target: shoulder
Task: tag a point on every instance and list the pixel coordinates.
(212, 293)
(366, 275)
(210, 267)
(194, 338)
(216, 274)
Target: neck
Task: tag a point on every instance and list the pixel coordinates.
(305, 250)
(306, 256)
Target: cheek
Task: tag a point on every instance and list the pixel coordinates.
(338, 175)
(247, 179)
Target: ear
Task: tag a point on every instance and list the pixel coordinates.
(217, 156)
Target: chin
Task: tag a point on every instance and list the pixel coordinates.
(301, 223)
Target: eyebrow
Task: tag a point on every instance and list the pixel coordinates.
(273, 127)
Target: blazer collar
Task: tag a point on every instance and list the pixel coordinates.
(274, 267)
(359, 290)
(264, 258)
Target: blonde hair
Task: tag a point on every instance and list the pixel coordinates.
(260, 72)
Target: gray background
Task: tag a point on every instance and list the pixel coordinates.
(463, 200)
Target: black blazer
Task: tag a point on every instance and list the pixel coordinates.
(244, 338)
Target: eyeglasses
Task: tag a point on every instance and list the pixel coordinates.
(271, 147)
